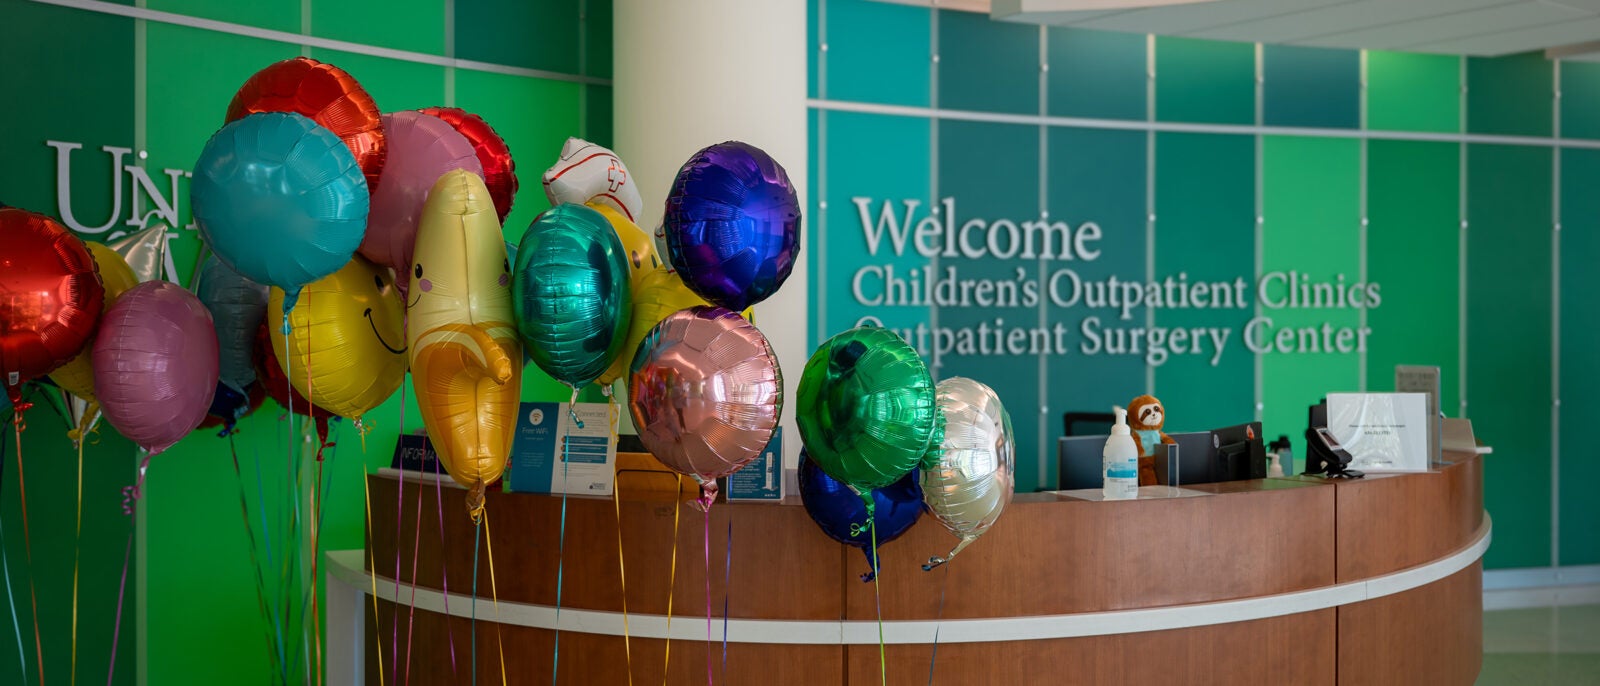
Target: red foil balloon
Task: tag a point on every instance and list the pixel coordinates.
(50, 298)
(499, 171)
(326, 94)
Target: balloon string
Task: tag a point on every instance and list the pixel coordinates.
(877, 597)
(377, 634)
(727, 588)
(416, 556)
(438, 489)
(477, 540)
(319, 495)
(622, 580)
(131, 510)
(5, 566)
(27, 538)
(77, 554)
(672, 579)
(266, 540)
(938, 622)
(561, 549)
(273, 656)
(494, 595)
(399, 517)
(707, 540)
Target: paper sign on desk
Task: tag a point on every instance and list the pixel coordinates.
(762, 479)
(1383, 432)
(551, 454)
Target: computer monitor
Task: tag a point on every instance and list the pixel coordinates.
(1194, 458)
(1081, 460)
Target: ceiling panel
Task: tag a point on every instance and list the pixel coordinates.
(1399, 35)
(1182, 19)
(1521, 40)
(1345, 17)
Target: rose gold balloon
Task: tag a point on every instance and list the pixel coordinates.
(705, 392)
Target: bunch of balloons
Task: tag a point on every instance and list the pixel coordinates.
(871, 418)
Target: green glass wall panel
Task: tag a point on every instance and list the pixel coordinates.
(877, 52)
(536, 34)
(597, 116)
(597, 46)
(1205, 230)
(1413, 92)
(1580, 99)
(1509, 95)
(1414, 254)
(1508, 343)
(987, 66)
(394, 85)
(1316, 87)
(1580, 366)
(1100, 177)
(1097, 74)
(1205, 81)
(416, 25)
(1004, 193)
(276, 15)
(1311, 203)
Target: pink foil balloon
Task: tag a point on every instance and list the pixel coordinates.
(421, 149)
(705, 392)
(155, 364)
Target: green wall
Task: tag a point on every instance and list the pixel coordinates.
(1440, 178)
(160, 85)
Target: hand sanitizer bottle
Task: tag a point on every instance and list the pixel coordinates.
(1120, 462)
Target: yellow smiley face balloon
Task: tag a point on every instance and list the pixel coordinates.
(466, 361)
(345, 350)
(639, 245)
(77, 376)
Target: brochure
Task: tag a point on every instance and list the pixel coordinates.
(762, 479)
(551, 454)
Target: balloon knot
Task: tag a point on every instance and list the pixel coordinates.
(933, 563)
(868, 577)
(858, 529)
(130, 496)
(475, 501)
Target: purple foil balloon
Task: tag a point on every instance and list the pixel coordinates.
(732, 225)
(421, 149)
(705, 392)
(155, 364)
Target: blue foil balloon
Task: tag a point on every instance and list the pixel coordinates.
(570, 291)
(732, 225)
(280, 199)
(842, 515)
(237, 307)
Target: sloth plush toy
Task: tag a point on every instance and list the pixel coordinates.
(1146, 417)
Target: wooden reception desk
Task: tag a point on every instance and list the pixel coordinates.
(1293, 580)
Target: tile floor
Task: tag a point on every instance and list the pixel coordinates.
(1555, 646)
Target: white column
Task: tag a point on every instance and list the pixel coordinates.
(690, 73)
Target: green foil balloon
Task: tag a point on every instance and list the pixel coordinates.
(867, 409)
(570, 291)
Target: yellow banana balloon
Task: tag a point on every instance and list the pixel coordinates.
(345, 350)
(466, 361)
(639, 244)
(77, 376)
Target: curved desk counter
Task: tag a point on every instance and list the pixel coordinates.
(1293, 580)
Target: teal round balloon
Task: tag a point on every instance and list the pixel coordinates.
(280, 200)
(570, 290)
(867, 410)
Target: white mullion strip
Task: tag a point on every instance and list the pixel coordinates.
(1044, 215)
(450, 52)
(1461, 267)
(933, 153)
(1259, 363)
(141, 586)
(1150, 190)
(1182, 127)
(583, 69)
(345, 567)
(307, 41)
(1362, 238)
(821, 191)
(1555, 319)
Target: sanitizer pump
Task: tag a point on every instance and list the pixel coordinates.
(1120, 462)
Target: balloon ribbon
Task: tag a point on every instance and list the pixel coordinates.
(561, 549)
(622, 579)
(438, 489)
(877, 598)
(672, 578)
(130, 501)
(494, 594)
(77, 554)
(5, 565)
(727, 588)
(477, 540)
(372, 561)
(938, 620)
(273, 656)
(707, 540)
(27, 538)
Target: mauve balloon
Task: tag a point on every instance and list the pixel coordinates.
(705, 391)
(155, 364)
(421, 149)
